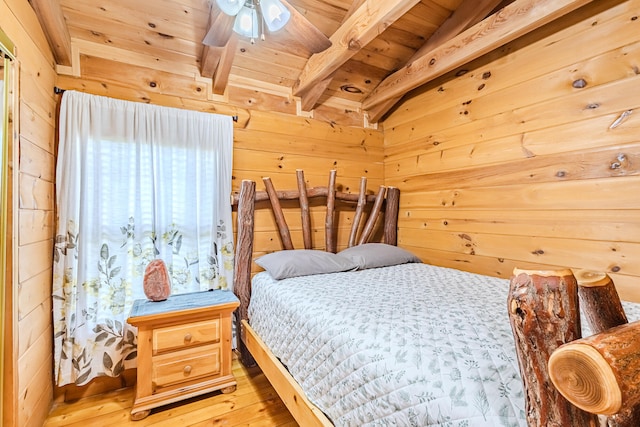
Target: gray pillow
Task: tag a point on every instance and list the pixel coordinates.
(303, 262)
(373, 255)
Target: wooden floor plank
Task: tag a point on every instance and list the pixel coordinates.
(254, 403)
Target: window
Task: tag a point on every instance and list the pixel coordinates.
(136, 182)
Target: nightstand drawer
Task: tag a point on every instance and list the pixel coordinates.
(184, 366)
(184, 336)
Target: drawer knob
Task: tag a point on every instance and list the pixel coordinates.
(187, 370)
(187, 338)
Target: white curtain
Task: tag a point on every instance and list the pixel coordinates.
(135, 182)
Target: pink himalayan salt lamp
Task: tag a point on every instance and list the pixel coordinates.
(157, 286)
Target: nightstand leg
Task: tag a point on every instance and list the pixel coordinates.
(137, 416)
(229, 389)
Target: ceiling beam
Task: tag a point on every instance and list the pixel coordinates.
(219, 49)
(221, 76)
(51, 18)
(219, 29)
(369, 21)
(304, 31)
(352, 9)
(309, 101)
(469, 13)
(209, 60)
(513, 21)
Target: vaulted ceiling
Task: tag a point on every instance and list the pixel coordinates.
(362, 55)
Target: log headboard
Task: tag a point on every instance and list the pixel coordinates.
(385, 201)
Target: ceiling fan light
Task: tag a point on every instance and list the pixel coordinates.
(275, 14)
(230, 7)
(246, 23)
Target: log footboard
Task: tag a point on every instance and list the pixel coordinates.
(543, 312)
(596, 375)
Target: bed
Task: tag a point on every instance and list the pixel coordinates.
(365, 355)
(373, 337)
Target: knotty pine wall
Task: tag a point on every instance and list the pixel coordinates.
(515, 161)
(27, 344)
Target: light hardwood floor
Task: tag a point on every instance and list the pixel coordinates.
(254, 403)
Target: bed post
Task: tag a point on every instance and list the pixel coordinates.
(242, 272)
(599, 300)
(330, 241)
(391, 216)
(543, 312)
(603, 309)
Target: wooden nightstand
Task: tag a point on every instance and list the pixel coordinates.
(184, 348)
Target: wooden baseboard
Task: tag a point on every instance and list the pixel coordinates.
(99, 385)
(304, 412)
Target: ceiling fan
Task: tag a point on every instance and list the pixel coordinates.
(250, 17)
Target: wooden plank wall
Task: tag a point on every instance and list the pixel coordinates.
(28, 341)
(525, 158)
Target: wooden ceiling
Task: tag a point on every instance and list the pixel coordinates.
(380, 49)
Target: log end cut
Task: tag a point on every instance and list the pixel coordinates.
(589, 278)
(543, 273)
(582, 375)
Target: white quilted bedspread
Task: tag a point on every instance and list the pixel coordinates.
(409, 345)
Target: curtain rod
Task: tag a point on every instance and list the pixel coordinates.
(59, 91)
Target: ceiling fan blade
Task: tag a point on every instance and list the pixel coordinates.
(220, 28)
(305, 32)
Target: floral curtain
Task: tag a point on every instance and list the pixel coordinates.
(135, 182)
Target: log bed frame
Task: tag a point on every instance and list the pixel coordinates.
(250, 347)
(567, 379)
